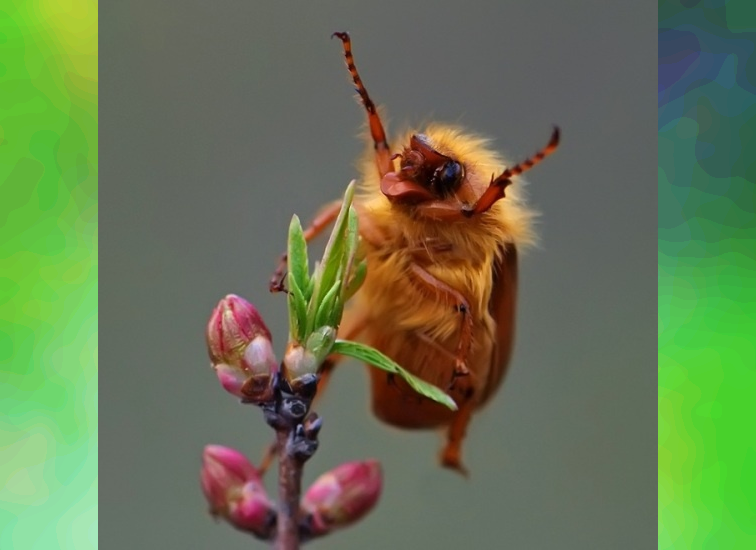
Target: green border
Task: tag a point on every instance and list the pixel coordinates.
(48, 275)
(707, 274)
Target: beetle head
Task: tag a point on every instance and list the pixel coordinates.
(424, 174)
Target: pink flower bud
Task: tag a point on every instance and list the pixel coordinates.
(232, 326)
(240, 348)
(343, 495)
(235, 492)
(224, 470)
(253, 512)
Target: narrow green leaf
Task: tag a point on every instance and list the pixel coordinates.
(324, 315)
(332, 263)
(310, 287)
(292, 309)
(297, 256)
(377, 359)
(334, 250)
(353, 229)
(358, 277)
(311, 299)
(351, 241)
(297, 307)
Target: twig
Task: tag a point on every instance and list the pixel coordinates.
(289, 490)
(241, 353)
(296, 441)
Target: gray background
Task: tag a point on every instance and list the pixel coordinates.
(219, 120)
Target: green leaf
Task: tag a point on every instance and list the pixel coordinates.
(325, 314)
(377, 359)
(358, 277)
(297, 310)
(320, 343)
(310, 288)
(318, 300)
(333, 255)
(351, 241)
(331, 266)
(297, 256)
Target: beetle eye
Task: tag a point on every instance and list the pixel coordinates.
(449, 176)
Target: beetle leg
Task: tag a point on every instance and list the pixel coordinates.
(271, 452)
(426, 250)
(451, 455)
(326, 216)
(383, 156)
(460, 305)
(435, 345)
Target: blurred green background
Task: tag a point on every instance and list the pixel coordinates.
(220, 120)
(48, 275)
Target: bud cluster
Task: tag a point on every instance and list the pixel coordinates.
(234, 490)
(241, 353)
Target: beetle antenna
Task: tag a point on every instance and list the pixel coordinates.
(535, 159)
(382, 152)
(496, 188)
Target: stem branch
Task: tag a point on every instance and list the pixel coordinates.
(289, 490)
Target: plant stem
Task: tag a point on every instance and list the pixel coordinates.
(289, 490)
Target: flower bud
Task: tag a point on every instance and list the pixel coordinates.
(232, 326)
(240, 349)
(342, 496)
(235, 492)
(299, 364)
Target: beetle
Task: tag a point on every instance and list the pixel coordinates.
(441, 245)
